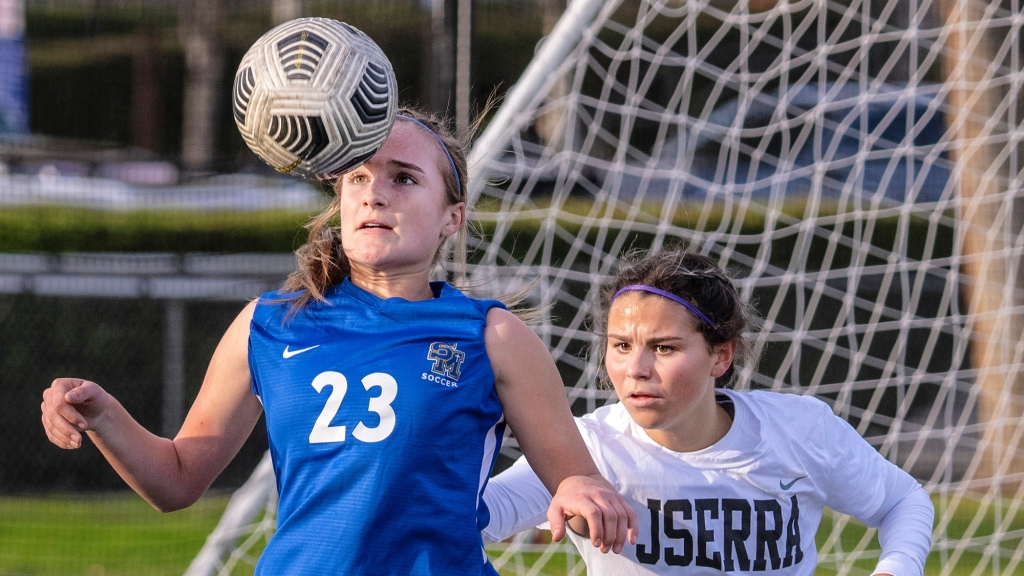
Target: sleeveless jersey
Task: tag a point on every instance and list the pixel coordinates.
(384, 426)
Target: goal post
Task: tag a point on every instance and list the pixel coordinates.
(989, 154)
(854, 164)
(248, 521)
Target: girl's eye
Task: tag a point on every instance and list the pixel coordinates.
(357, 178)
(404, 178)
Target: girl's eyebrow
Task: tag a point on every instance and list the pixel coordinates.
(406, 165)
(659, 340)
(664, 339)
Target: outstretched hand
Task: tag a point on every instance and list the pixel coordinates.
(70, 407)
(609, 519)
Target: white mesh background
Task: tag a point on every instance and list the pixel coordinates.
(855, 165)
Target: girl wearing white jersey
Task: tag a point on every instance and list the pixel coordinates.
(384, 478)
(722, 481)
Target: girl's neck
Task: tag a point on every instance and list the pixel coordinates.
(700, 431)
(411, 286)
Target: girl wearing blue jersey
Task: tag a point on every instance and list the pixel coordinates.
(385, 394)
(722, 481)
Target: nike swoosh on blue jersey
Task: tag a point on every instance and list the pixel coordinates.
(289, 353)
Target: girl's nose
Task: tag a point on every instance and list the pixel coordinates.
(639, 365)
(375, 195)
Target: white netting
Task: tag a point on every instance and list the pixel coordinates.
(855, 164)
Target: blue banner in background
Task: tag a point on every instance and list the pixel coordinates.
(13, 86)
(13, 68)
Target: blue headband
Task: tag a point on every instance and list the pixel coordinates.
(696, 311)
(458, 182)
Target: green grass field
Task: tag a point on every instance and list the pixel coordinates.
(101, 535)
(119, 534)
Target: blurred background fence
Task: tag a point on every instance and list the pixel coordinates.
(122, 71)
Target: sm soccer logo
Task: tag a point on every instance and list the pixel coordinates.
(447, 360)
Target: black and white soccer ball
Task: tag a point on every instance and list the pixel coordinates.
(314, 98)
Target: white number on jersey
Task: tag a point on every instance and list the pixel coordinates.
(323, 432)
(381, 405)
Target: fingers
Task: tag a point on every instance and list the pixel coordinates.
(633, 524)
(626, 528)
(61, 436)
(556, 519)
(602, 527)
(610, 521)
(82, 392)
(620, 527)
(616, 527)
(62, 421)
(58, 430)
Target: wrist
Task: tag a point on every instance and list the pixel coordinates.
(101, 419)
(574, 480)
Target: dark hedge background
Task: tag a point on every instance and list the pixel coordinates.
(119, 345)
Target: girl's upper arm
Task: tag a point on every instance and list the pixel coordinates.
(533, 399)
(172, 474)
(226, 409)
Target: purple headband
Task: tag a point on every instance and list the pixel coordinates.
(696, 311)
(458, 182)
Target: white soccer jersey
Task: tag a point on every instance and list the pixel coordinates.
(751, 503)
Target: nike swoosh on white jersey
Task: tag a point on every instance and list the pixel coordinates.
(289, 353)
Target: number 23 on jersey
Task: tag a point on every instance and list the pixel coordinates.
(323, 432)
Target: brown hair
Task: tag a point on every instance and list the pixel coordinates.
(321, 260)
(698, 280)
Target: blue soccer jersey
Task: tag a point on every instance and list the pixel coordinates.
(384, 426)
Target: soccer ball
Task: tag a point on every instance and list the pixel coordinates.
(314, 98)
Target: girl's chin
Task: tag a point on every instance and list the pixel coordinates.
(371, 258)
(646, 416)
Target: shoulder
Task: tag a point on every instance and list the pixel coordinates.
(502, 322)
(808, 425)
(484, 305)
(457, 304)
(793, 415)
(791, 403)
(278, 297)
(507, 338)
(244, 318)
(272, 304)
(235, 341)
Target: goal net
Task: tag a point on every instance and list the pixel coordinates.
(855, 164)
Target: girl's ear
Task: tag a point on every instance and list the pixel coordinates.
(455, 217)
(723, 355)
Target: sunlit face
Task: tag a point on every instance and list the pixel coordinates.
(661, 367)
(393, 210)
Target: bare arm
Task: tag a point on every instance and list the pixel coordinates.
(169, 474)
(533, 399)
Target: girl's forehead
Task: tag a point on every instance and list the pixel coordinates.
(408, 141)
(643, 311)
